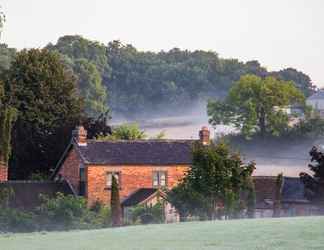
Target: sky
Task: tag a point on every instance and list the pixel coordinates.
(277, 33)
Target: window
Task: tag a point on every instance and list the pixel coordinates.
(159, 178)
(109, 178)
(82, 175)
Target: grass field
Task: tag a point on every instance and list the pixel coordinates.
(259, 234)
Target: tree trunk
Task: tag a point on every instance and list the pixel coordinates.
(262, 122)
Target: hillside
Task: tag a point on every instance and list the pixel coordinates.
(284, 233)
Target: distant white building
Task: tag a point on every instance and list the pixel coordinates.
(316, 101)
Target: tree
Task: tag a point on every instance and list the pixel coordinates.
(7, 55)
(97, 127)
(2, 21)
(7, 117)
(256, 105)
(91, 88)
(300, 79)
(278, 198)
(116, 213)
(126, 132)
(140, 82)
(44, 94)
(314, 185)
(215, 180)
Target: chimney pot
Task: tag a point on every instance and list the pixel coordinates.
(204, 135)
(80, 135)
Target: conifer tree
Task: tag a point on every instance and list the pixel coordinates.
(115, 204)
(251, 200)
(7, 117)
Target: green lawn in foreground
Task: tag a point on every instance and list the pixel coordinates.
(260, 234)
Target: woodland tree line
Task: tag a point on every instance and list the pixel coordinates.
(49, 91)
(132, 82)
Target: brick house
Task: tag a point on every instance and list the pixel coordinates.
(88, 165)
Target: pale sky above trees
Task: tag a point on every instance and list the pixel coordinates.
(278, 33)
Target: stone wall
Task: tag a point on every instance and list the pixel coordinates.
(131, 179)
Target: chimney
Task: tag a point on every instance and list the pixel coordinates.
(204, 135)
(80, 135)
(3, 171)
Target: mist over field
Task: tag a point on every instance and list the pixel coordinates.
(289, 157)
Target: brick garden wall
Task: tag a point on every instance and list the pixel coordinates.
(131, 179)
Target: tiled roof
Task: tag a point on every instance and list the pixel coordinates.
(138, 196)
(293, 190)
(142, 152)
(27, 193)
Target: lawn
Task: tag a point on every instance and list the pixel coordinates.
(258, 234)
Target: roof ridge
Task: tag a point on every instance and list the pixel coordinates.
(143, 140)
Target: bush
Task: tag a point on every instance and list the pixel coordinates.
(63, 210)
(14, 220)
(142, 214)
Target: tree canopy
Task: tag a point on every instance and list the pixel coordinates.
(45, 96)
(256, 105)
(149, 83)
(213, 184)
(91, 88)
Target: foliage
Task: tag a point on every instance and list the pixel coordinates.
(7, 55)
(251, 200)
(145, 214)
(116, 213)
(301, 80)
(63, 209)
(159, 136)
(141, 82)
(77, 47)
(97, 127)
(44, 94)
(62, 212)
(256, 105)
(5, 195)
(312, 126)
(216, 179)
(13, 220)
(314, 184)
(7, 117)
(278, 198)
(38, 176)
(91, 88)
(186, 200)
(2, 21)
(126, 132)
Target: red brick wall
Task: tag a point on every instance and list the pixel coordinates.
(70, 169)
(3, 173)
(132, 178)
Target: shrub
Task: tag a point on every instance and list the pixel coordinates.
(143, 214)
(14, 220)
